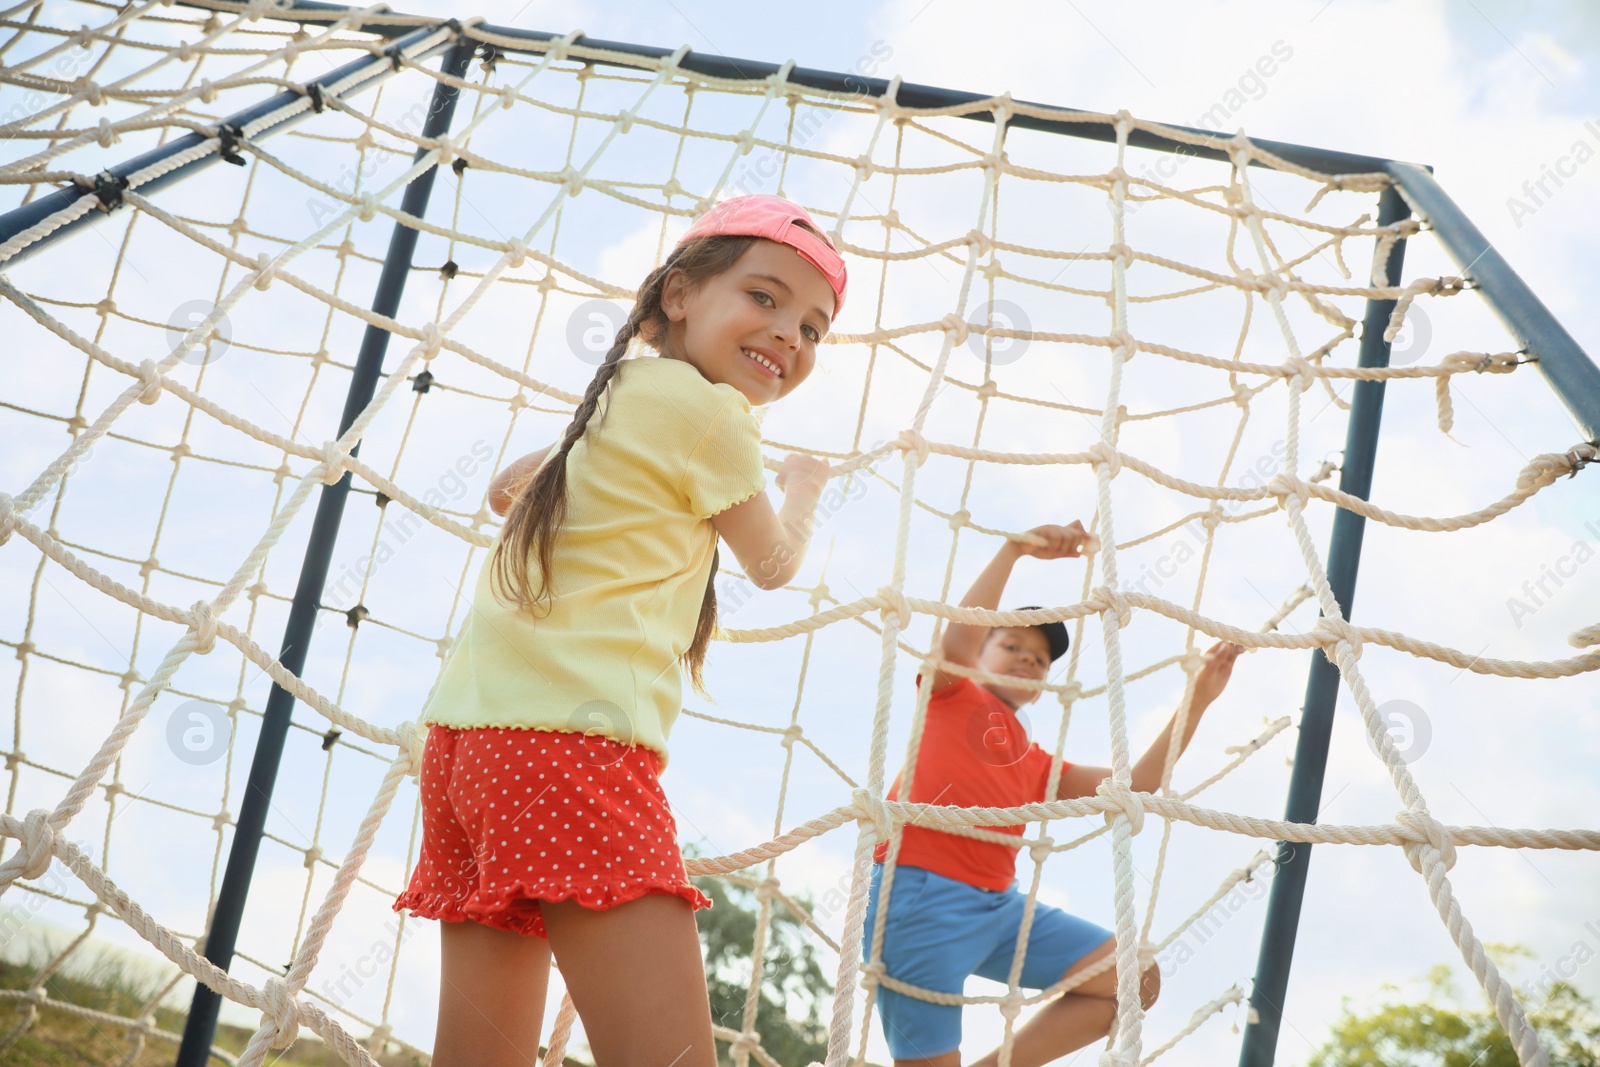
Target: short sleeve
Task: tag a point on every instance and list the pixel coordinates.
(725, 468)
(1039, 770)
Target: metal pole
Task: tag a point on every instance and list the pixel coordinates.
(1073, 123)
(1322, 686)
(382, 66)
(1571, 373)
(224, 931)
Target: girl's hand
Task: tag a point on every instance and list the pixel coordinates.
(1059, 541)
(1213, 676)
(805, 474)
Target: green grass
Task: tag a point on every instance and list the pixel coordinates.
(57, 1039)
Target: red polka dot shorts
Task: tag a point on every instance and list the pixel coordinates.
(512, 817)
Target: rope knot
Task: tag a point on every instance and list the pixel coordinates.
(1336, 632)
(1121, 255)
(150, 375)
(431, 341)
(1124, 802)
(369, 206)
(266, 270)
(892, 601)
(958, 519)
(38, 843)
(203, 621)
(1421, 823)
(279, 1007)
(1301, 370)
(1039, 851)
(1011, 1004)
(1283, 486)
(1102, 452)
(956, 327)
(872, 973)
(909, 441)
(518, 249)
(793, 733)
(105, 134)
(1103, 598)
(412, 737)
(333, 459)
(1122, 339)
(446, 149)
(871, 812)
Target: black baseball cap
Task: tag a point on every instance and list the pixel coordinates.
(1054, 632)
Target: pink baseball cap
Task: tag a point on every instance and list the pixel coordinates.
(774, 218)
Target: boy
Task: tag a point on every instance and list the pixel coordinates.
(954, 908)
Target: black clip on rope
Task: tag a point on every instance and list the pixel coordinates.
(313, 92)
(230, 136)
(108, 189)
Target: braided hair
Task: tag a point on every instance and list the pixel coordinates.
(539, 511)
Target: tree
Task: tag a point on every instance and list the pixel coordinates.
(793, 987)
(1442, 1032)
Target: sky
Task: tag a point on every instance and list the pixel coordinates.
(1492, 95)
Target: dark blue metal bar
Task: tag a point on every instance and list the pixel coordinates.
(1322, 685)
(224, 931)
(911, 94)
(1571, 373)
(15, 221)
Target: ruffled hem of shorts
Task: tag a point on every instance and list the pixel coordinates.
(446, 908)
(481, 725)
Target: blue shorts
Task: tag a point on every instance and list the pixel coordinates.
(941, 930)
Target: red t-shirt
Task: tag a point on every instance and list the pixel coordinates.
(974, 753)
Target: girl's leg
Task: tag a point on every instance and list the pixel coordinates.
(491, 997)
(1074, 1019)
(637, 979)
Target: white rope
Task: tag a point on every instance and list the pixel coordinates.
(311, 457)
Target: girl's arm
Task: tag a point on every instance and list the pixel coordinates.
(503, 490)
(962, 642)
(1082, 781)
(770, 545)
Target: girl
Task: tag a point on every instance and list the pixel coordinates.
(545, 829)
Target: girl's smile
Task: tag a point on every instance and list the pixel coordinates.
(755, 327)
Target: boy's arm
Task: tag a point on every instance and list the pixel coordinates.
(771, 544)
(503, 490)
(962, 643)
(1082, 781)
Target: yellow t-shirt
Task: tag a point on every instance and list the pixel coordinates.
(665, 451)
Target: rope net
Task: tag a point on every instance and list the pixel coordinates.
(1047, 328)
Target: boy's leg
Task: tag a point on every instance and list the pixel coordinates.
(938, 929)
(1074, 1019)
(637, 980)
(491, 996)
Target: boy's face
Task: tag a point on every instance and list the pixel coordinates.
(1022, 652)
(755, 326)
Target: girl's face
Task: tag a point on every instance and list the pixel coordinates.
(755, 326)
